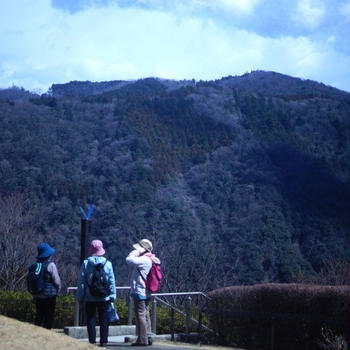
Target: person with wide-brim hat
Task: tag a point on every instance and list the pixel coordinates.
(45, 301)
(140, 259)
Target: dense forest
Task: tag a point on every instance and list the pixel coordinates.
(236, 181)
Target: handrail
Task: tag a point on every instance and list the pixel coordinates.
(178, 294)
(73, 289)
(77, 306)
(156, 297)
(184, 314)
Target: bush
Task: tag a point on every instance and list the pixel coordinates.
(21, 306)
(122, 309)
(17, 305)
(284, 316)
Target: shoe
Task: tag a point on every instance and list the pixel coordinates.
(103, 345)
(138, 344)
(150, 341)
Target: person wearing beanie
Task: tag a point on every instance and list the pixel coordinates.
(45, 301)
(86, 293)
(140, 260)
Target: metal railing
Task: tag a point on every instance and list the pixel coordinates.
(157, 298)
(77, 316)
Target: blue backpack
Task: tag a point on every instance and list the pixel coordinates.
(35, 277)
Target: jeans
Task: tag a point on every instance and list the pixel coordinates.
(101, 308)
(45, 310)
(143, 321)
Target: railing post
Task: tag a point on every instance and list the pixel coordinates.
(172, 324)
(272, 334)
(199, 322)
(76, 313)
(188, 307)
(154, 316)
(130, 306)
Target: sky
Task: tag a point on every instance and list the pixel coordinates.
(45, 42)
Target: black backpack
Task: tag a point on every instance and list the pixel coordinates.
(99, 286)
(35, 277)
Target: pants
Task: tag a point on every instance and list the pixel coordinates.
(101, 308)
(143, 321)
(45, 310)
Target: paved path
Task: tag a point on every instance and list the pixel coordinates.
(163, 346)
(117, 343)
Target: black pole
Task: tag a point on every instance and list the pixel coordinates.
(84, 234)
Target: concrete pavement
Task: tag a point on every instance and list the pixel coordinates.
(160, 342)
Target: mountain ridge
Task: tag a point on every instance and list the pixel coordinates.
(247, 182)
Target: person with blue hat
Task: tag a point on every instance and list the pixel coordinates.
(45, 300)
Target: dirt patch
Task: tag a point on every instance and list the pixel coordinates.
(16, 335)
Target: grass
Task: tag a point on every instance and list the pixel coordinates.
(17, 335)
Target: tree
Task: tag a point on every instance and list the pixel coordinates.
(18, 240)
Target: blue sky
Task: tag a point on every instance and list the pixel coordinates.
(56, 41)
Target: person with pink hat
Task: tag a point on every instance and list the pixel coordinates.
(97, 293)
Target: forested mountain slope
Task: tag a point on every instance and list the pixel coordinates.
(239, 180)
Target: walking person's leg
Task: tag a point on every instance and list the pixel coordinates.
(40, 311)
(141, 323)
(91, 321)
(50, 305)
(137, 321)
(148, 324)
(102, 316)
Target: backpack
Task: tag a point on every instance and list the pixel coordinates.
(99, 285)
(35, 277)
(154, 278)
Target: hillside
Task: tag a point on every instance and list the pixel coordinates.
(237, 181)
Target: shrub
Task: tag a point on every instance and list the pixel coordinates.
(21, 306)
(284, 316)
(17, 305)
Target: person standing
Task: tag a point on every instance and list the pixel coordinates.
(45, 301)
(96, 297)
(140, 259)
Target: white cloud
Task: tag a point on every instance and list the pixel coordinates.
(309, 13)
(104, 70)
(110, 43)
(238, 7)
(242, 6)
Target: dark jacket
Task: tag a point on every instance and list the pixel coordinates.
(52, 281)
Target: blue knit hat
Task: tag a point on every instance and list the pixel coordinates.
(44, 251)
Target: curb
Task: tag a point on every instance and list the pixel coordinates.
(81, 331)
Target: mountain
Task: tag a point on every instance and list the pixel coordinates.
(236, 181)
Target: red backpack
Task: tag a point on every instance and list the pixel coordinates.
(154, 277)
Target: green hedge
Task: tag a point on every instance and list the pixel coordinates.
(283, 316)
(21, 306)
(164, 320)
